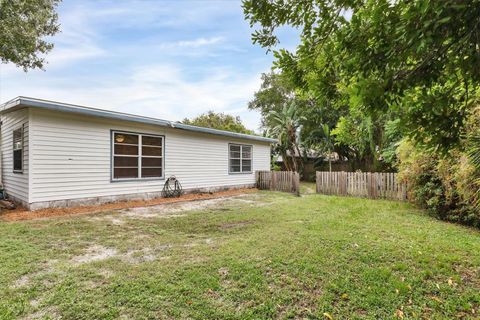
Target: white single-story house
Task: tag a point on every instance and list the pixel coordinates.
(58, 155)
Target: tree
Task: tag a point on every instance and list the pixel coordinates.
(285, 125)
(472, 140)
(326, 141)
(275, 91)
(24, 24)
(220, 121)
(407, 73)
(418, 60)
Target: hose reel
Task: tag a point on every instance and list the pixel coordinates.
(172, 188)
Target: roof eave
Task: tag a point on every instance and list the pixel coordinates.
(21, 102)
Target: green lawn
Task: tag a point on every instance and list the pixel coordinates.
(263, 255)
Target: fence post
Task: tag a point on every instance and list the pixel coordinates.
(371, 185)
(272, 180)
(289, 182)
(296, 183)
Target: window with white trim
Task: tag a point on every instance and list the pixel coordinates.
(136, 156)
(239, 158)
(18, 150)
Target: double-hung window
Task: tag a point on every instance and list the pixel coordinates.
(18, 150)
(240, 158)
(136, 156)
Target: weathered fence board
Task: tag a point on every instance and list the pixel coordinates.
(373, 185)
(286, 181)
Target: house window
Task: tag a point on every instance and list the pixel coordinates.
(137, 156)
(240, 158)
(18, 150)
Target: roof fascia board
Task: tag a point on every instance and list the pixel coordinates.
(21, 102)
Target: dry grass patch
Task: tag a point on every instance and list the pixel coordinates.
(23, 214)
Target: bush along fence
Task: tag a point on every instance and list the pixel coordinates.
(286, 181)
(362, 184)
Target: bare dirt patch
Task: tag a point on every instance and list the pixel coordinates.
(21, 282)
(23, 214)
(173, 210)
(236, 224)
(47, 313)
(170, 210)
(109, 219)
(26, 279)
(145, 254)
(95, 253)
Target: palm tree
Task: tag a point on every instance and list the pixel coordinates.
(285, 124)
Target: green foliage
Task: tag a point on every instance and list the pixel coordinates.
(274, 93)
(436, 116)
(419, 169)
(285, 124)
(220, 121)
(394, 57)
(356, 133)
(473, 153)
(392, 139)
(324, 140)
(24, 24)
(385, 71)
(444, 185)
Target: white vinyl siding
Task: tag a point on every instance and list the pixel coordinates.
(72, 158)
(15, 183)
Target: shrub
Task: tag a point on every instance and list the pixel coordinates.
(445, 185)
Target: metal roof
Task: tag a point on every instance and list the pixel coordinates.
(22, 102)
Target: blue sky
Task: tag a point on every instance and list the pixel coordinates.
(166, 59)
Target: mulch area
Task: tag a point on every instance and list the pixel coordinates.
(24, 214)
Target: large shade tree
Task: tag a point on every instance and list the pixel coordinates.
(220, 121)
(24, 26)
(417, 60)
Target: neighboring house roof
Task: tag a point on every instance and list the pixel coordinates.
(21, 102)
(313, 155)
(309, 153)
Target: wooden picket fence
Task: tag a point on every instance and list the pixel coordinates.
(286, 181)
(362, 184)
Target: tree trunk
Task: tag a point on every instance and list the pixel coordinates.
(285, 161)
(294, 161)
(300, 164)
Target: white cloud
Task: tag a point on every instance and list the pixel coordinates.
(200, 42)
(66, 54)
(200, 47)
(155, 14)
(78, 39)
(196, 43)
(161, 90)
